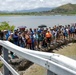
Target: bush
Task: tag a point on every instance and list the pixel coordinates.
(6, 26)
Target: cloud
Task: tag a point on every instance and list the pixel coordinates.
(11, 5)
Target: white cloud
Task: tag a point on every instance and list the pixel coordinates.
(41, 0)
(30, 4)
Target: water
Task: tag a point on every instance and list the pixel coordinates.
(35, 21)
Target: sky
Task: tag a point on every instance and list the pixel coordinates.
(11, 5)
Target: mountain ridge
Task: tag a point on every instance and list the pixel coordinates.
(37, 9)
(67, 8)
(41, 9)
(63, 9)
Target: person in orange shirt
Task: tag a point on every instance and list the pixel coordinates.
(48, 36)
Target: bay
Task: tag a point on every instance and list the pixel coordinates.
(35, 21)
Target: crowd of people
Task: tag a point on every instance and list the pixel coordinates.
(35, 38)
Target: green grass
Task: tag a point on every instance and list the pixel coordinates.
(69, 50)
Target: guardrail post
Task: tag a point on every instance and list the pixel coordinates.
(5, 56)
(50, 73)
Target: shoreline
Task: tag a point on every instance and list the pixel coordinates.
(39, 15)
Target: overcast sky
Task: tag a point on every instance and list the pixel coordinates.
(31, 4)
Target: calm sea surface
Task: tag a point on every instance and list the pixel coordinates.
(35, 21)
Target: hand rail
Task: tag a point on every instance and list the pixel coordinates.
(1, 73)
(9, 67)
(52, 62)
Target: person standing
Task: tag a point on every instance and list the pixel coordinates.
(10, 39)
(1, 38)
(48, 37)
(15, 38)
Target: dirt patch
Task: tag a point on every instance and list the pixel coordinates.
(35, 70)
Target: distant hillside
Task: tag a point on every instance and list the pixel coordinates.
(33, 10)
(67, 8)
(64, 9)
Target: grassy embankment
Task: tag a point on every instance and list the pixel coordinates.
(69, 50)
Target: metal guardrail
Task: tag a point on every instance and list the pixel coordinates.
(9, 67)
(1, 73)
(54, 63)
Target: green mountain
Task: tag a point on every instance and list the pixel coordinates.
(65, 9)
